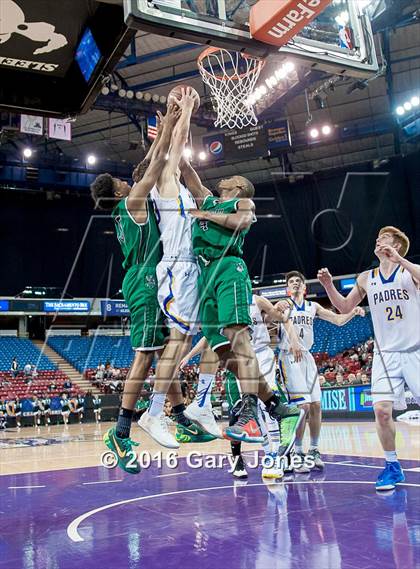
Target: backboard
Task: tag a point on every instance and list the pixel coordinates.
(340, 40)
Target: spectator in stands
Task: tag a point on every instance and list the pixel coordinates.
(167, 408)
(358, 377)
(323, 382)
(99, 375)
(339, 379)
(339, 368)
(351, 379)
(52, 387)
(67, 384)
(365, 379)
(97, 409)
(34, 372)
(14, 368)
(27, 371)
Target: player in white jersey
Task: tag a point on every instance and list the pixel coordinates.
(394, 300)
(177, 275)
(301, 377)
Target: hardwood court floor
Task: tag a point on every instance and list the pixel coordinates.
(76, 446)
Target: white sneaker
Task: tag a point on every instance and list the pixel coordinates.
(157, 428)
(204, 418)
(273, 470)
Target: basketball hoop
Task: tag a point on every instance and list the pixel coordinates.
(231, 77)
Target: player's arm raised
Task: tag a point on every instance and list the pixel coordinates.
(136, 201)
(337, 319)
(343, 304)
(242, 219)
(193, 182)
(179, 137)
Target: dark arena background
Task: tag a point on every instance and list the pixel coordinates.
(317, 104)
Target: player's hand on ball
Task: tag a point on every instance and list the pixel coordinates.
(324, 276)
(187, 99)
(171, 117)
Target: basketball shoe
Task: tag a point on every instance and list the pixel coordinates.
(123, 450)
(316, 455)
(157, 428)
(240, 471)
(289, 418)
(274, 469)
(246, 428)
(204, 418)
(390, 476)
(192, 434)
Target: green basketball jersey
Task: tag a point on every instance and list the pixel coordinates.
(212, 241)
(140, 242)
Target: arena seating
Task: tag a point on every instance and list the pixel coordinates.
(87, 352)
(25, 352)
(332, 339)
(40, 385)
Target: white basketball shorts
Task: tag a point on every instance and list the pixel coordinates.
(178, 294)
(390, 370)
(300, 378)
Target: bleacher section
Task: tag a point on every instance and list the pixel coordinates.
(87, 352)
(27, 353)
(332, 339)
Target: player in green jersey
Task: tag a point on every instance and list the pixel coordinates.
(139, 237)
(225, 292)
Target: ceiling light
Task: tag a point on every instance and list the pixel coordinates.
(27, 152)
(91, 159)
(326, 129)
(400, 111)
(314, 133)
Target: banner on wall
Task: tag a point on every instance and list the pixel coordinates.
(59, 129)
(30, 124)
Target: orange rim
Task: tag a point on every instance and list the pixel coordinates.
(212, 50)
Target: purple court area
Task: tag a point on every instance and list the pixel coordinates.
(199, 518)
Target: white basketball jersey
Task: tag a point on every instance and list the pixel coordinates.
(175, 223)
(302, 318)
(259, 332)
(395, 308)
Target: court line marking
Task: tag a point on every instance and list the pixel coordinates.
(354, 464)
(18, 487)
(101, 482)
(72, 528)
(172, 474)
(415, 469)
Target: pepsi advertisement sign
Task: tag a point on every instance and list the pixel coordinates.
(114, 308)
(215, 146)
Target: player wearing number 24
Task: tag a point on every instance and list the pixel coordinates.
(392, 290)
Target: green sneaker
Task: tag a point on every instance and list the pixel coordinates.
(289, 418)
(192, 434)
(288, 426)
(123, 451)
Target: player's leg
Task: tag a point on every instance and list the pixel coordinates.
(152, 421)
(387, 389)
(233, 398)
(315, 412)
(200, 410)
(147, 335)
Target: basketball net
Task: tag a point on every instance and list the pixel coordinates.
(231, 77)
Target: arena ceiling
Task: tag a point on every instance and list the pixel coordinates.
(157, 64)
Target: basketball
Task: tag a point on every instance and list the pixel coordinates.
(176, 93)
